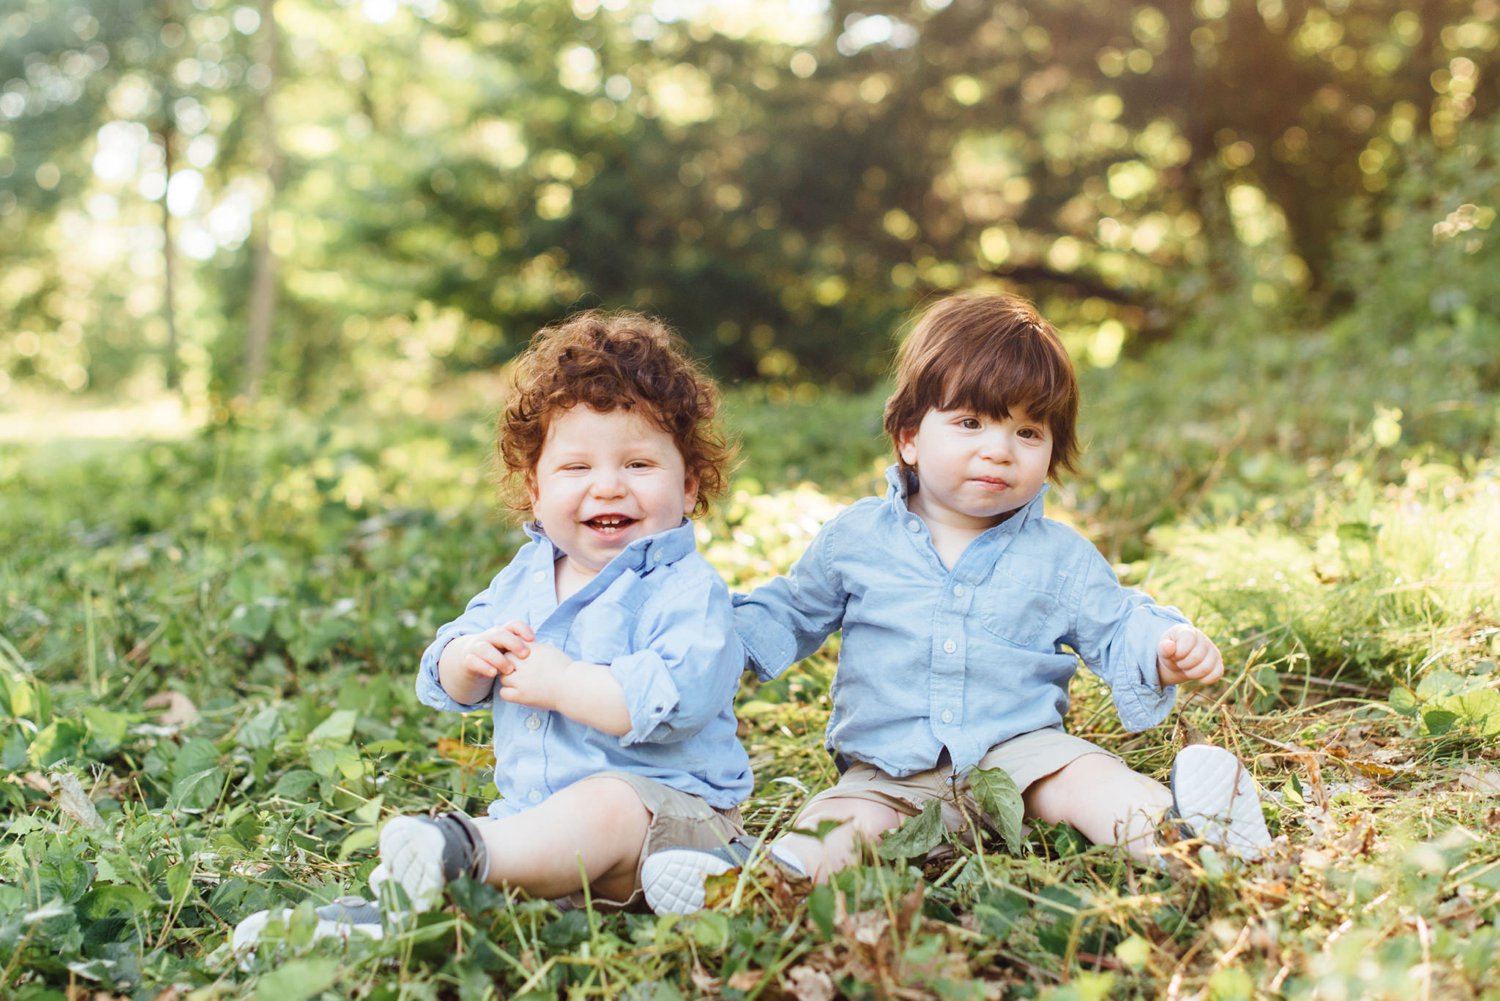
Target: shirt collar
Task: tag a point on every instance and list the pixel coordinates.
(898, 492)
(642, 555)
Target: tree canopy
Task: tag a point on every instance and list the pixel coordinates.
(426, 181)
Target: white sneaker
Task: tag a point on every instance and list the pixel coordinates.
(341, 919)
(424, 854)
(672, 879)
(1216, 797)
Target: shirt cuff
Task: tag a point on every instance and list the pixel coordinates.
(771, 649)
(430, 690)
(1139, 696)
(650, 695)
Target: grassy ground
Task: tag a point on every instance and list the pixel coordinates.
(206, 647)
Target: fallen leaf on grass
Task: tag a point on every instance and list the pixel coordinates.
(807, 984)
(1487, 780)
(180, 711)
(73, 801)
(744, 980)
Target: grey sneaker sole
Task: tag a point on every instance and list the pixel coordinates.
(672, 880)
(1215, 796)
(344, 917)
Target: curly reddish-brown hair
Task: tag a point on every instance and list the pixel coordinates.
(990, 352)
(610, 361)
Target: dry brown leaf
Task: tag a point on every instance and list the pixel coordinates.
(180, 711)
(807, 984)
(1487, 780)
(73, 801)
(744, 980)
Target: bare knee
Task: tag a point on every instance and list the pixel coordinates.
(613, 803)
(1102, 797)
(1084, 785)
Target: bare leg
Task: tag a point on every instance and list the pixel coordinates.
(861, 822)
(599, 821)
(1105, 800)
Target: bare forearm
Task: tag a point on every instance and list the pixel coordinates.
(594, 698)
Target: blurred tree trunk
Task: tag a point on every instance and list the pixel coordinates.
(263, 288)
(168, 251)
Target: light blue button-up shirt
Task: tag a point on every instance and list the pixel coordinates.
(962, 658)
(660, 617)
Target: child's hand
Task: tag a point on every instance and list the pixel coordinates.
(470, 663)
(1186, 653)
(536, 676)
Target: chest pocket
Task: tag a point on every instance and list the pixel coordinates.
(604, 632)
(1025, 609)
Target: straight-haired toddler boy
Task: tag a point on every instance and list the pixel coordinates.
(965, 612)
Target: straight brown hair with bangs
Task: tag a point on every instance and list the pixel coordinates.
(992, 353)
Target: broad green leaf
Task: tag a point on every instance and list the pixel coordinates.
(57, 741)
(180, 881)
(822, 904)
(195, 756)
(1001, 803)
(338, 728)
(198, 790)
(262, 730)
(918, 836)
(1403, 701)
(1134, 952)
(358, 840)
(295, 783)
(1439, 721)
(107, 729)
(298, 980)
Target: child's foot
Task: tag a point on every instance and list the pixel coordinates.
(422, 855)
(1216, 797)
(342, 918)
(673, 879)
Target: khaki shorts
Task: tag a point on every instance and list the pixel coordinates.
(678, 820)
(1026, 759)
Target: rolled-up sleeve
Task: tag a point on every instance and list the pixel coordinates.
(790, 618)
(686, 668)
(1116, 632)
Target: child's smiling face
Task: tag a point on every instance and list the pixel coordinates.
(605, 479)
(973, 469)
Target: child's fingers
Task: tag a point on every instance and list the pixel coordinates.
(1167, 648)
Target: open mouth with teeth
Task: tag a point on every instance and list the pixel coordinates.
(610, 524)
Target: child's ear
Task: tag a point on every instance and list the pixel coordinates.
(906, 447)
(689, 495)
(531, 492)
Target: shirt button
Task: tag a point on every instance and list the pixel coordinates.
(947, 715)
(949, 646)
(539, 576)
(535, 796)
(914, 525)
(958, 590)
(533, 722)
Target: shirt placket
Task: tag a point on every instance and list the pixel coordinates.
(948, 652)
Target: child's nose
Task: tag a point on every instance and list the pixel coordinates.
(606, 483)
(995, 445)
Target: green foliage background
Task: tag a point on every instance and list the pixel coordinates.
(1266, 231)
